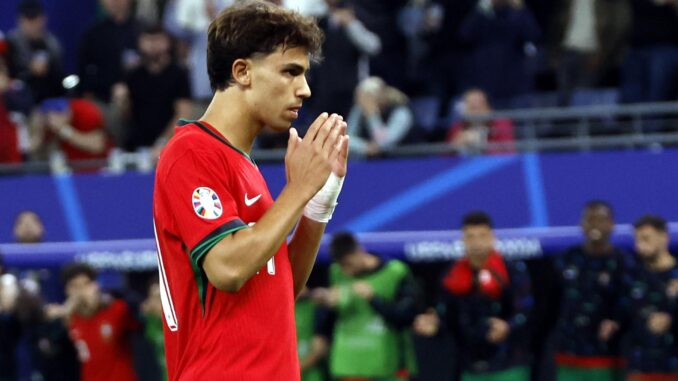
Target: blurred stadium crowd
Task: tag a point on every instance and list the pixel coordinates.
(593, 312)
(399, 71)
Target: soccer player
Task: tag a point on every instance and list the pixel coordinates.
(228, 276)
(486, 304)
(652, 303)
(99, 326)
(374, 303)
(590, 284)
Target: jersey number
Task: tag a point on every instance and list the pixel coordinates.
(270, 266)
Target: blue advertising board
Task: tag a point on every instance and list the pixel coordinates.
(425, 194)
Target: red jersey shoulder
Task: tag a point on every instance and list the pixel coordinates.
(191, 139)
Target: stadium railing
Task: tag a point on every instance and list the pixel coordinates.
(646, 125)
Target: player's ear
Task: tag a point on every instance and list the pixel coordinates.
(242, 71)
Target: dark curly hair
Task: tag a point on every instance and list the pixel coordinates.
(476, 218)
(256, 27)
(342, 245)
(73, 270)
(657, 223)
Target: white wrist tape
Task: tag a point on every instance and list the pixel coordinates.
(321, 206)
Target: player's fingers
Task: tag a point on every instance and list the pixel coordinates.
(334, 154)
(291, 145)
(315, 126)
(340, 149)
(293, 140)
(324, 131)
(343, 148)
(343, 128)
(333, 138)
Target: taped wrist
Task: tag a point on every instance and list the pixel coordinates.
(321, 206)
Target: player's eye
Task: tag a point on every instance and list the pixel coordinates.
(292, 72)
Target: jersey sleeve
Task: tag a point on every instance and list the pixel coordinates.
(201, 201)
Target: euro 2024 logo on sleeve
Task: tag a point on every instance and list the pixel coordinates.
(206, 203)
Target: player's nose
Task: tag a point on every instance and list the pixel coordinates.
(304, 91)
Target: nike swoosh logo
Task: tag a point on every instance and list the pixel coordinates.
(251, 201)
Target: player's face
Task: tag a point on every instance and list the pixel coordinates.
(85, 291)
(650, 242)
(352, 264)
(597, 224)
(478, 241)
(279, 87)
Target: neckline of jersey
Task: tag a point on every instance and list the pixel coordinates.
(209, 129)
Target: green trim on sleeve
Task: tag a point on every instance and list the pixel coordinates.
(200, 251)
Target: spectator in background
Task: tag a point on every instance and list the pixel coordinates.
(346, 42)
(588, 41)
(651, 66)
(28, 227)
(471, 135)
(375, 304)
(590, 281)
(10, 151)
(312, 342)
(487, 304)
(17, 96)
(379, 119)
(108, 50)
(155, 95)
(446, 49)
(35, 55)
(151, 310)
(653, 305)
(73, 126)
(99, 326)
(16, 102)
(193, 17)
(381, 17)
(50, 353)
(499, 33)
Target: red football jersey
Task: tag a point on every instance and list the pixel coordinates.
(206, 189)
(103, 343)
